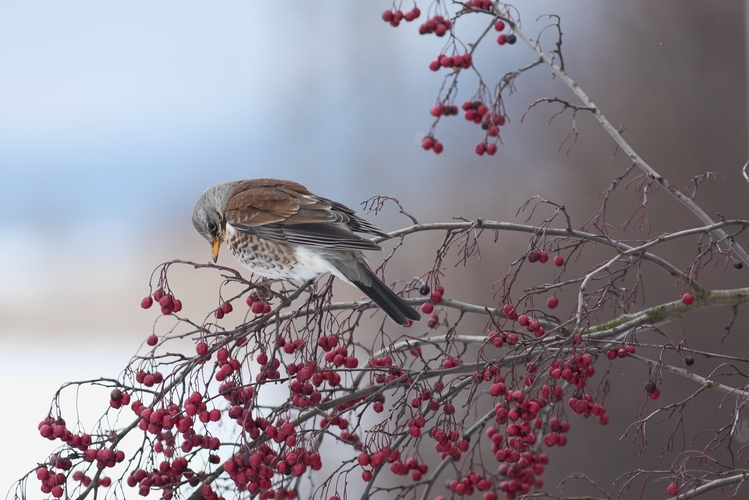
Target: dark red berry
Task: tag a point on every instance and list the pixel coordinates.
(146, 303)
(552, 302)
(558, 261)
(152, 340)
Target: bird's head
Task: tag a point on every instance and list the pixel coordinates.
(208, 215)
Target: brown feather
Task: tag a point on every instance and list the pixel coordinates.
(286, 211)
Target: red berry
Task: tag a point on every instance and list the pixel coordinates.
(552, 302)
(176, 305)
(673, 489)
(427, 143)
(499, 25)
(387, 16)
(434, 65)
(480, 148)
(152, 340)
(558, 261)
(502, 39)
(258, 307)
(226, 308)
(146, 303)
(427, 307)
(491, 149)
(201, 349)
(687, 299)
(543, 256)
(437, 148)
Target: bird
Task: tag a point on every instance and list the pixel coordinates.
(280, 230)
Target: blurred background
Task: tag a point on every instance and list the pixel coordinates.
(115, 117)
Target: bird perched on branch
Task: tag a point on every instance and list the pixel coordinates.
(279, 230)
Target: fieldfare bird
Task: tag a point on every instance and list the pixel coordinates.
(279, 230)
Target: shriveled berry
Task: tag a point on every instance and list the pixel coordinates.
(688, 360)
(650, 387)
(511, 39)
(738, 264)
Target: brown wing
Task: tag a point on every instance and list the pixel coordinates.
(286, 211)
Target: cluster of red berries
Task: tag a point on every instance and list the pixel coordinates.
(457, 61)
(575, 370)
(167, 476)
(471, 482)
(582, 404)
(241, 400)
(283, 432)
(449, 441)
(501, 338)
(257, 306)
(437, 25)
(340, 357)
(393, 371)
(532, 325)
(148, 379)
(652, 390)
(290, 346)
(252, 470)
(118, 399)
(166, 301)
(621, 352)
(443, 109)
(430, 142)
(53, 483)
(557, 430)
(226, 365)
(480, 4)
(394, 17)
(435, 297)
(268, 371)
(86, 481)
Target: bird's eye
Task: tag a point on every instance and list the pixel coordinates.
(211, 227)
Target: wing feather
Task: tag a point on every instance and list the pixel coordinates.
(285, 211)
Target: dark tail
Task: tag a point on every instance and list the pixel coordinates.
(393, 305)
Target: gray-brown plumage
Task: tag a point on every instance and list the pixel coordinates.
(279, 230)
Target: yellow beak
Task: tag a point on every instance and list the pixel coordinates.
(215, 248)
